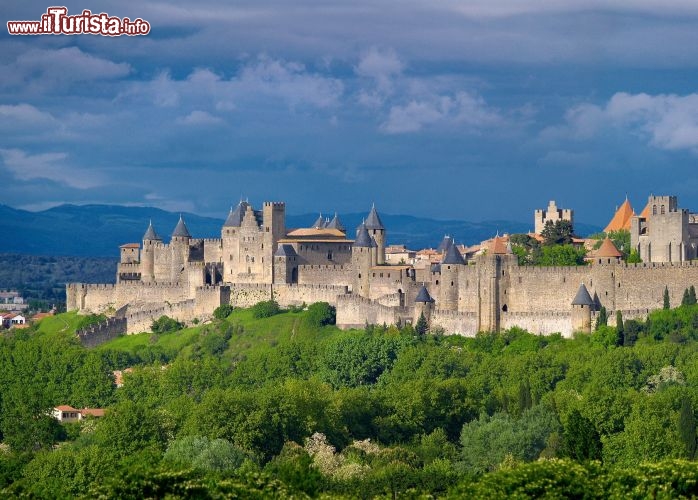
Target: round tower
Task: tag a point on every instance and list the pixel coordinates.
(150, 240)
(448, 289)
(423, 304)
(376, 230)
(362, 255)
(582, 304)
(179, 246)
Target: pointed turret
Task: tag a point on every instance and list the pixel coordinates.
(180, 229)
(150, 233)
(445, 243)
(373, 221)
(582, 298)
(363, 239)
(423, 296)
(235, 216)
(319, 222)
(582, 304)
(335, 223)
(453, 256)
(377, 230)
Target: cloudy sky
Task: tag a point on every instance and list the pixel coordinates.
(471, 109)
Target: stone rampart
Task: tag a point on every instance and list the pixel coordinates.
(324, 274)
(541, 323)
(289, 294)
(354, 311)
(455, 322)
(102, 332)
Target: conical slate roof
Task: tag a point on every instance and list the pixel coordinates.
(582, 298)
(335, 223)
(320, 222)
(362, 238)
(235, 216)
(453, 256)
(285, 251)
(445, 243)
(423, 295)
(181, 229)
(150, 233)
(373, 221)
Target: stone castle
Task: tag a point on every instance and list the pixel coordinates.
(257, 258)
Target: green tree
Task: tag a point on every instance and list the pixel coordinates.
(165, 324)
(557, 233)
(205, 454)
(580, 440)
(667, 304)
(321, 314)
(265, 309)
(620, 330)
(634, 257)
(602, 319)
(222, 311)
(486, 441)
(562, 255)
(525, 399)
(421, 327)
(687, 428)
(689, 296)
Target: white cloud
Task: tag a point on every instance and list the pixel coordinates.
(462, 110)
(381, 68)
(667, 121)
(198, 117)
(289, 81)
(260, 79)
(19, 115)
(50, 166)
(46, 68)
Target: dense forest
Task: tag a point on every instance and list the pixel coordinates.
(265, 403)
(43, 278)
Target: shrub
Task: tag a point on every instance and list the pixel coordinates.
(265, 309)
(166, 324)
(223, 311)
(321, 314)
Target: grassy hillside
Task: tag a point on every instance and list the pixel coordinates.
(279, 407)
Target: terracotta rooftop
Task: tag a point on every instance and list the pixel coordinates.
(607, 249)
(498, 245)
(65, 408)
(621, 219)
(130, 245)
(645, 211)
(315, 232)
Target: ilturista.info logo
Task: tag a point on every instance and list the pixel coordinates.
(56, 21)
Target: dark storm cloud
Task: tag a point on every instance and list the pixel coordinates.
(450, 109)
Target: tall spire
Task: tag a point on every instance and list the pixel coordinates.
(335, 223)
(181, 229)
(150, 233)
(373, 221)
(319, 222)
(235, 216)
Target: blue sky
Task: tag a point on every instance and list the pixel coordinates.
(467, 110)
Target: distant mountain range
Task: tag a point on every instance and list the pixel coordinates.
(98, 230)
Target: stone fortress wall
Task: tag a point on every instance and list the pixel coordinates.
(258, 259)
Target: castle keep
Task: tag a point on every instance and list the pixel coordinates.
(257, 258)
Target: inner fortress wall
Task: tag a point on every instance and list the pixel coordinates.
(325, 274)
